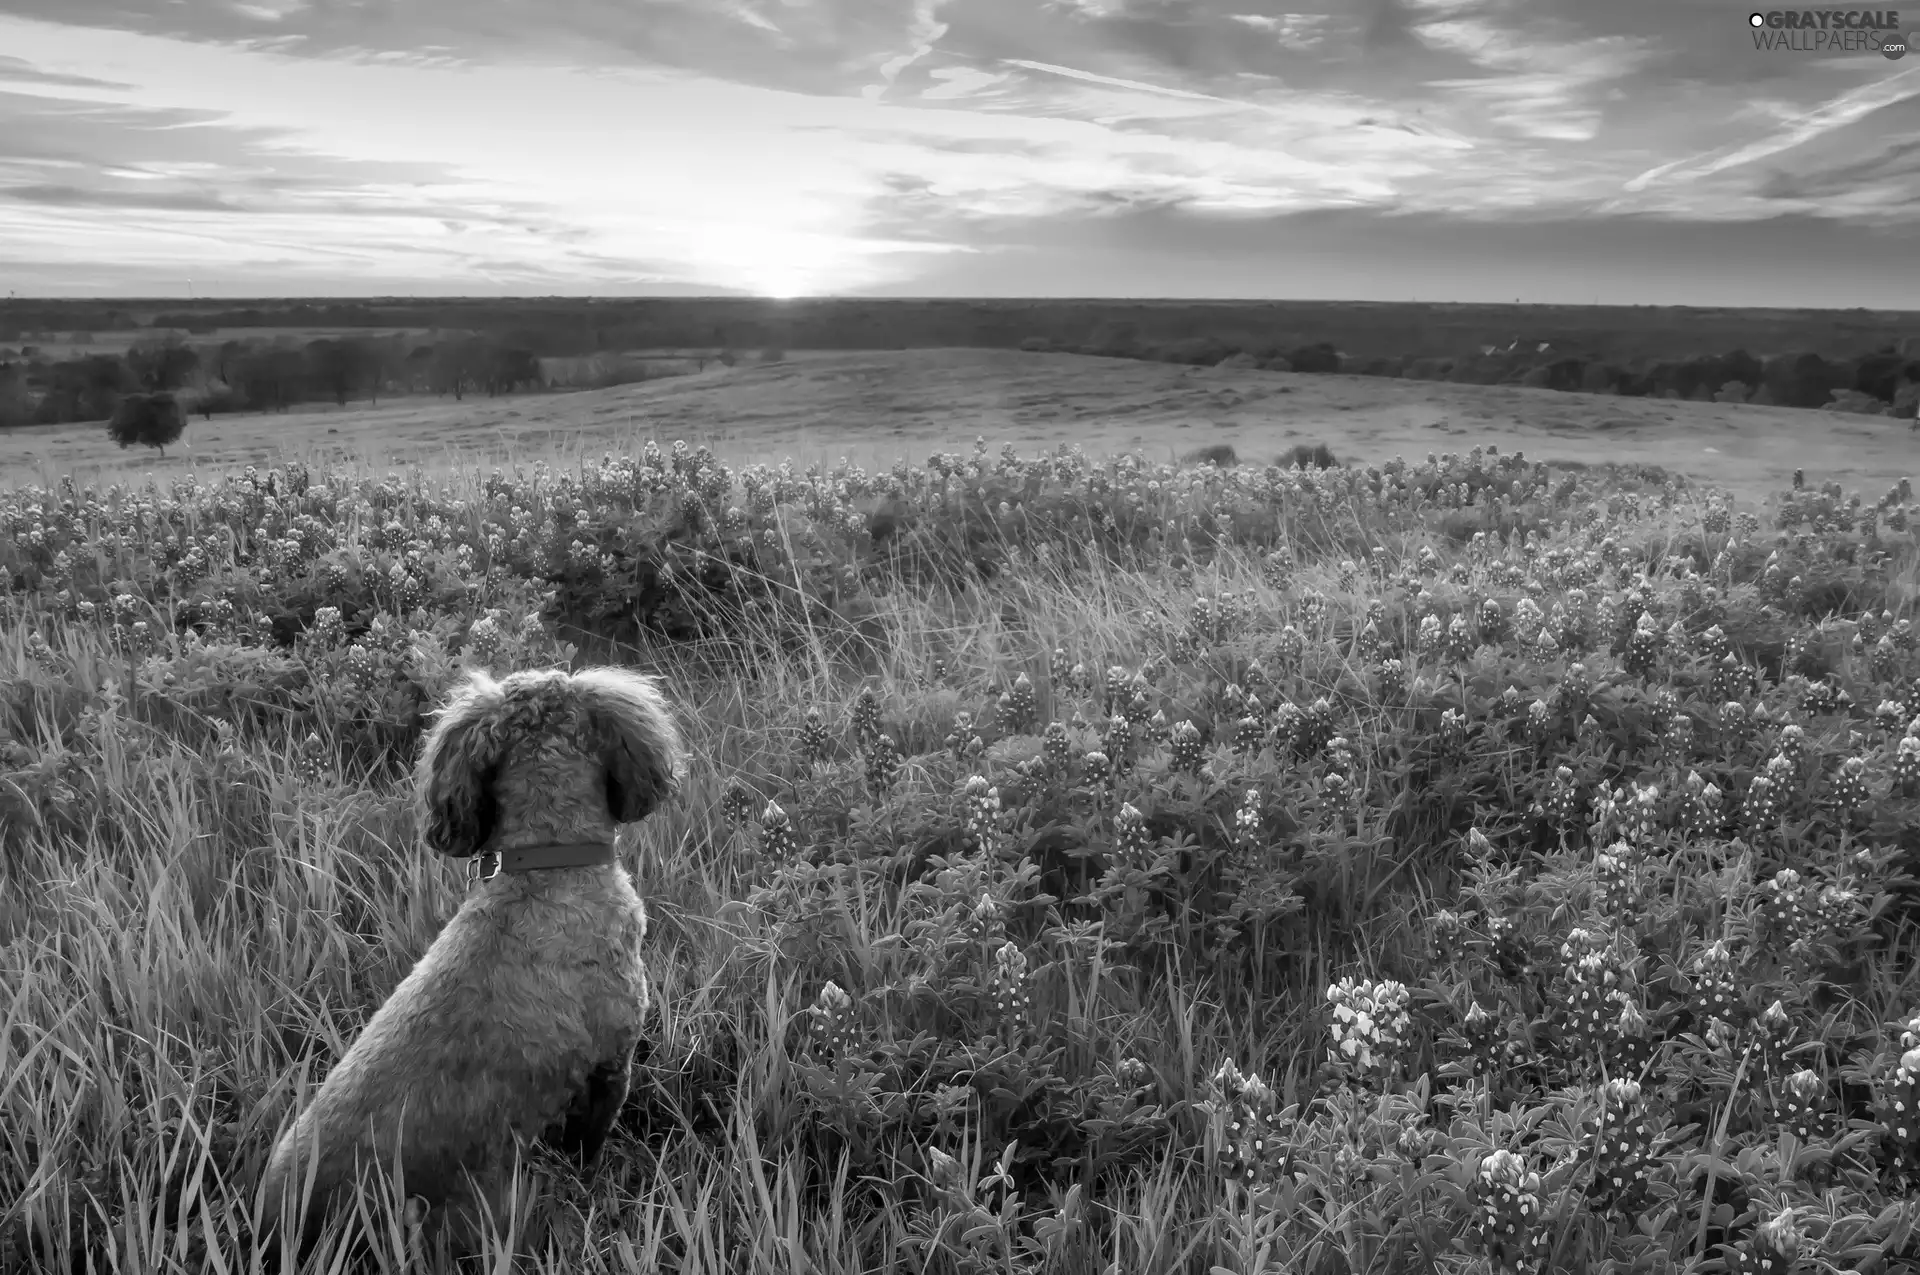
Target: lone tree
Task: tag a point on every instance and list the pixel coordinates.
(151, 420)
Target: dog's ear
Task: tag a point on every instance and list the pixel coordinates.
(633, 726)
(457, 761)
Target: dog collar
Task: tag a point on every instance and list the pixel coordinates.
(489, 864)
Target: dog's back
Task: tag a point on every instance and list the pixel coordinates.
(520, 1021)
(515, 1026)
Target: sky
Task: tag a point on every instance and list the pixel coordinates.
(1545, 151)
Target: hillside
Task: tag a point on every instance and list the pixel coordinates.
(876, 406)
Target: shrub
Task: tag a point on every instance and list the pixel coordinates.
(1600, 378)
(1221, 455)
(1906, 399)
(1733, 392)
(148, 420)
(1320, 357)
(1311, 456)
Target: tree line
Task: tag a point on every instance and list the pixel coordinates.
(256, 375)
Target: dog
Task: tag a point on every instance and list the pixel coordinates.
(520, 1022)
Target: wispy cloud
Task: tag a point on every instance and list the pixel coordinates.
(833, 145)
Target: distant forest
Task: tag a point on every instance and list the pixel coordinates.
(269, 355)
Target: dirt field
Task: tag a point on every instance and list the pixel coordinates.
(874, 407)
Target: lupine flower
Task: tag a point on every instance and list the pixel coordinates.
(1801, 1107)
(982, 808)
(814, 741)
(1253, 1125)
(864, 720)
(1623, 1146)
(778, 839)
(1369, 1024)
(1508, 1212)
(834, 1026)
(1008, 985)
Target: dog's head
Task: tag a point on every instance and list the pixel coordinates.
(618, 719)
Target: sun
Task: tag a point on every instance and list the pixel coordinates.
(779, 264)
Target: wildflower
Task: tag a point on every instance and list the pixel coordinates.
(1291, 646)
(1117, 743)
(1802, 1105)
(1481, 1031)
(1701, 816)
(1508, 1213)
(1641, 814)
(1393, 680)
(1715, 992)
(1593, 981)
(814, 742)
(1130, 835)
(1494, 627)
(1017, 706)
(40, 652)
(1187, 753)
(1562, 804)
(1776, 1242)
(982, 807)
(1247, 820)
(1449, 932)
(963, 741)
(1575, 690)
(1459, 643)
(1763, 802)
(1277, 569)
(1629, 1045)
(1643, 648)
(1623, 1146)
(1253, 1124)
(834, 1027)
(1850, 785)
(1783, 901)
(777, 837)
(1730, 679)
(865, 717)
(1249, 736)
(1899, 1107)
(1369, 1024)
(1614, 880)
(736, 803)
(1007, 987)
(883, 762)
(1835, 908)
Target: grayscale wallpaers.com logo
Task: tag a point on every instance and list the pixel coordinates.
(1832, 31)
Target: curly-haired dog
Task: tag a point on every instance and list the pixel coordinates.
(520, 1022)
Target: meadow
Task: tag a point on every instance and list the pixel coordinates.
(879, 406)
(1092, 863)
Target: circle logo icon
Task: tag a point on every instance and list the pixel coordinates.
(1756, 19)
(1894, 47)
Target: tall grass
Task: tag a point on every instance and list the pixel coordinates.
(211, 877)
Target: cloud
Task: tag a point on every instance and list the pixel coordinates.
(18, 71)
(849, 144)
(1835, 113)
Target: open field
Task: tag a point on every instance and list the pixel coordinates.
(881, 405)
(1537, 898)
